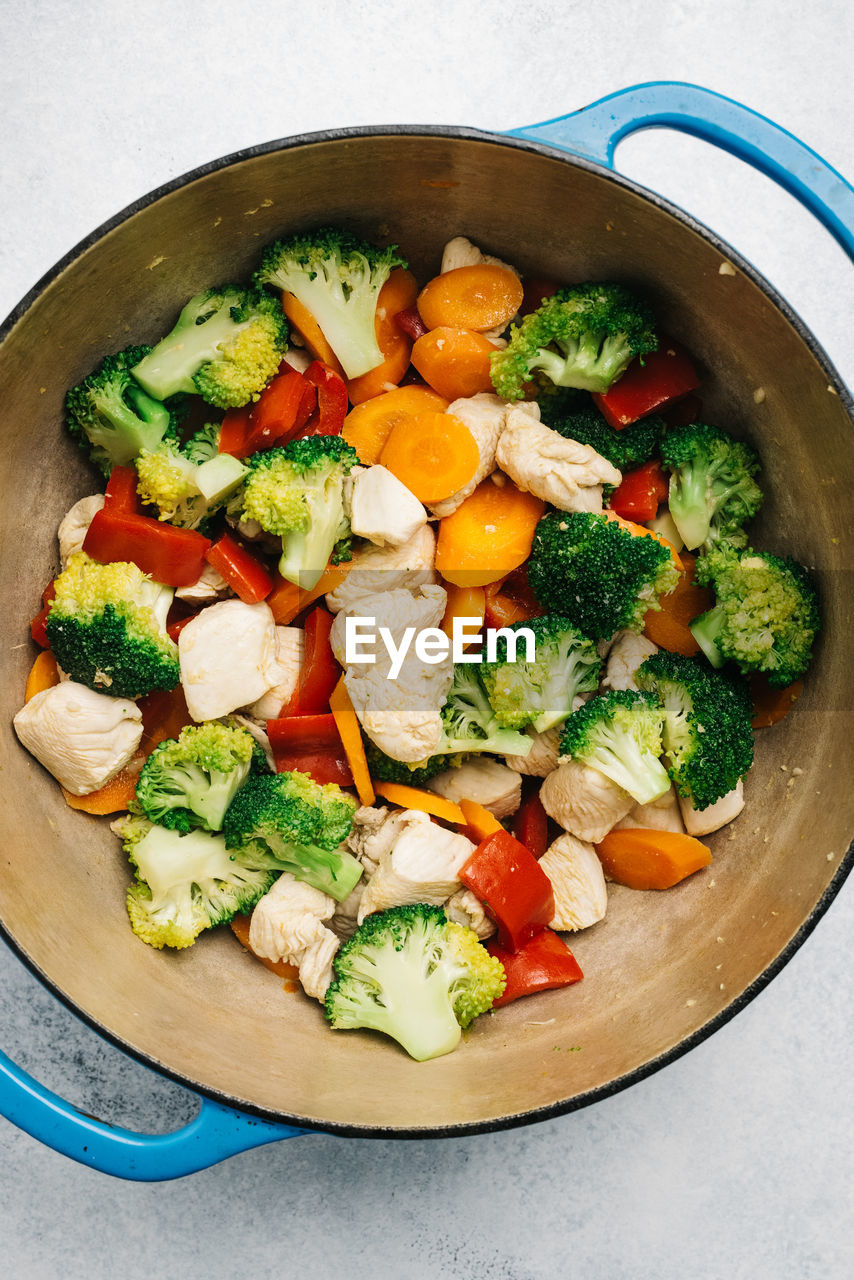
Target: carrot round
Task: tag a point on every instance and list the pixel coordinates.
(770, 705)
(368, 426)
(433, 454)
(44, 674)
(424, 801)
(397, 294)
(312, 334)
(668, 627)
(645, 859)
(480, 823)
(347, 724)
(488, 535)
(455, 362)
(478, 297)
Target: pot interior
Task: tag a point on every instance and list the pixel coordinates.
(661, 967)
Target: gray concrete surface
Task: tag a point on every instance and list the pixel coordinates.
(733, 1162)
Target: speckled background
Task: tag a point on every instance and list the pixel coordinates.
(735, 1161)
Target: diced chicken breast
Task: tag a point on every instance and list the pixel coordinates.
(701, 822)
(422, 866)
(382, 509)
(375, 570)
(343, 922)
(315, 967)
(210, 586)
(541, 760)
(584, 801)
(288, 919)
(75, 525)
(375, 830)
(460, 252)
(628, 650)
(83, 738)
(465, 908)
(662, 814)
(578, 883)
(226, 654)
(284, 671)
(484, 780)
(563, 472)
(484, 415)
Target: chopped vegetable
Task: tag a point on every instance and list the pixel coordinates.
(530, 821)
(112, 417)
(433, 454)
(541, 964)
(659, 379)
(669, 626)
(540, 692)
(454, 362)
(43, 674)
(619, 733)
(310, 744)
(713, 492)
(639, 493)
(480, 823)
(369, 425)
(190, 781)
(641, 858)
(347, 724)
(243, 572)
(515, 891)
(172, 556)
(488, 535)
(319, 671)
(479, 297)
(423, 801)
(396, 295)
(771, 705)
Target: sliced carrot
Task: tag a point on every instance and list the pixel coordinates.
(312, 335)
(770, 705)
(240, 929)
(44, 674)
(369, 425)
(115, 796)
(480, 823)
(424, 801)
(287, 600)
(463, 602)
(455, 362)
(668, 627)
(433, 454)
(640, 531)
(397, 294)
(347, 724)
(644, 859)
(488, 535)
(478, 297)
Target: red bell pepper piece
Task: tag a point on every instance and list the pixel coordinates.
(683, 412)
(511, 600)
(409, 320)
(332, 402)
(310, 744)
(38, 629)
(273, 418)
(320, 672)
(530, 821)
(245, 574)
(121, 490)
(170, 555)
(512, 886)
(174, 629)
(639, 492)
(649, 383)
(233, 430)
(535, 292)
(544, 961)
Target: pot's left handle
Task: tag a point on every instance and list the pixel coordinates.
(594, 132)
(216, 1133)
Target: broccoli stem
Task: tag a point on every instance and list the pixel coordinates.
(170, 366)
(706, 630)
(616, 754)
(419, 1015)
(689, 505)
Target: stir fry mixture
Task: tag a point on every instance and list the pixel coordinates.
(408, 619)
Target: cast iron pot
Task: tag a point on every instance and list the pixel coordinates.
(211, 1017)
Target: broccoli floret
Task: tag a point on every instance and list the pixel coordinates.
(297, 492)
(598, 574)
(337, 277)
(413, 975)
(765, 617)
(619, 733)
(469, 722)
(541, 692)
(107, 628)
(712, 489)
(289, 822)
(110, 415)
(624, 449)
(184, 883)
(707, 735)
(186, 487)
(386, 769)
(583, 336)
(226, 346)
(204, 443)
(190, 781)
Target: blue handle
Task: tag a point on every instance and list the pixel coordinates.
(594, 132)
(216, 1133)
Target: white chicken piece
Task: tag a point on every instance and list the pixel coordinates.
(661, 814)
(701, 822)
(209, 586)
(374, 831)
(344, 920)
(375, 570)
(584, 801)
(75, 525)
(287, 924)
(460, 252)
(465, 908)
(486, 781)
(484, 415)
(284, 671)
(422, 866)
(541, 760)
(82, 737)
(382, 509)
(563, 472)
(628, 650)
(315, 968)
(226, 653)
(578, 883)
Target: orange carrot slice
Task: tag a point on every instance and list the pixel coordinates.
(397, 294)
(488, 535)
(44, 674)
(480, 823)
(369, 425)
(463, 602)
(287, 600)
(668, 627)
(347, 724)
(115, 796)
(455, 362)
(770, 705)
(644, 859)
(240, 929)
(302, 320)
(433, 454)
(478, 297)
(424, 801)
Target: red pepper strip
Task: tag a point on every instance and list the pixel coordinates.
(320, 672)
(232, 432)
(511, 600)
(273, 417)
(683, 412)
(332, 403)
(174, 629)
(246, 576)
(543, 962)
(512, 886)
(649, 383)
(38, 629)
(170, 555)
(409, 320)
(640, 491)
(530, 821)
(535, 292)
(121, 490)
(310, 744)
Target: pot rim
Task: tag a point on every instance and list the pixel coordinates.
(835, 383)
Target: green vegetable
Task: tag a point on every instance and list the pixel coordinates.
(707, 734)
(110, 415)
(619, 733)
(386, 769)
(469, 722)
(629, 447)
(190, 781)
(597, 574)
(583, 336)
(337, 277)
(541, 692)
(185, 485)
(107, 628)
(413, 975)
(226, 346)
(712, 487)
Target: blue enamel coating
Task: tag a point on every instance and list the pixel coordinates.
(595, 131)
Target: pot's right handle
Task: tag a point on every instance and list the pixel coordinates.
(594, 132)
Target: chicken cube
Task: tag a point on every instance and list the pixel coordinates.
(486, 781)
(82, 737)
(702, 822)
(375, 570)
(382, 509)
(75, 525)
(423, 865)
(288, 919)
(484, 416)
(628, 650)
(209, 586)
(374, 832)
(661, 814)
(542, 759)
(563, 472)
(226, 654)
(584, 801)
(578, 883)
(465, 908)
(284, 671)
